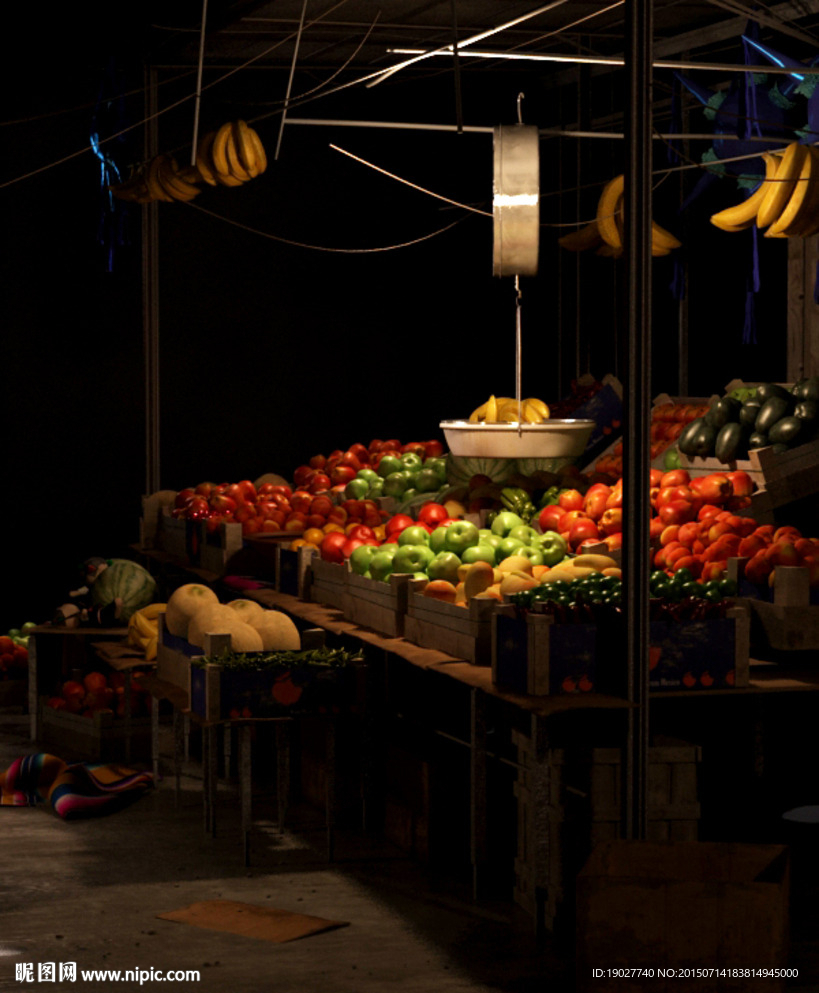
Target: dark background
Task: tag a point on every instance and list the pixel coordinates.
(272, 352)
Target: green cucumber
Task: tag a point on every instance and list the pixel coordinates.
(771, 411)
(729, 442)
(785, 431)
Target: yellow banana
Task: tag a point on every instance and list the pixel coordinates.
(175, 187)
(146, 628)
(539, 406)
(150, 649)
(609, 251)
(153, 610)
(510, 412)
(743, 215)
(203, 163)
(218, 151)
(152, 181)
(583, 238)
(782, 185)
(607, 212)
(258, 149)
(234, 161)
(245, 149)
(793, 216)
(226, 179)
(478, 413)
(491, 414)
(531, 415)
(662, 239)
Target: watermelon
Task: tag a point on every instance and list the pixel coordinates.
(461, 468)
(529, 466)
(125, 579)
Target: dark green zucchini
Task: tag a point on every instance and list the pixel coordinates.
(771, 411)
(807, 410)
(767, 390)
(807, 389)
(758, 439)
(685, 442)
(729, 442)
(723, 411)
(785, 431)
(704, 441)
(749, 412)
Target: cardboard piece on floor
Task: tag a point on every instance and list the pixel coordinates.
(251, 920)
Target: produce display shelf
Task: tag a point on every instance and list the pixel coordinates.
(188, 541)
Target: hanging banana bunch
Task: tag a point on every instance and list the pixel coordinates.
(786, 202)
(605, 232)
(229, 156)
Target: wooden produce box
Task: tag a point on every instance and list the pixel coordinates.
(714, 906)
(219, 694)
(572, 800)
(463, 632)
(101, 737)
(189, 541)
(173, 657)
(380, 606)
(534, 654)
(791, 621)
(700, 655)
(329, 584)
(293, 570)
(14, 695)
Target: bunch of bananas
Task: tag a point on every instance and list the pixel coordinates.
(505, 410)
(143, 629)
(605, 232)
(786, 201)
(159, 179)
(227, 157)
(230, 156)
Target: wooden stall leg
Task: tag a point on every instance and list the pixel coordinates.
(540, 838)
(477, 791)
(33, 697)
(154, 737)
(245, 785)
(126, 722)
(209, 776)
(178, 749)
(330, 786)
(283, 729)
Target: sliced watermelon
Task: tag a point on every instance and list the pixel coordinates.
(461, 468)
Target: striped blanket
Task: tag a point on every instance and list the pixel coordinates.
(78, 790)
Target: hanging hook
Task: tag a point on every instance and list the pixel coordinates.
(520, 112)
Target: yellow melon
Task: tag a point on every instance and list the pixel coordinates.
(183, 603)
(278, 632)
(246, 609)
(216, 618)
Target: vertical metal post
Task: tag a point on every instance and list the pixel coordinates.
(150, 296)
(636, 449)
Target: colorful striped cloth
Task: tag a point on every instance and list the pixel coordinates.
(78, 790)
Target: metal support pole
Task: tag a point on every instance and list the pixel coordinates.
(637, 510)
(150, 296)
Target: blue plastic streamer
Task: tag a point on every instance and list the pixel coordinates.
(112, 228)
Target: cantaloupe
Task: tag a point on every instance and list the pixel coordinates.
(183, 603)
(278, 632)
(244, 638)
(213, 617)
(246, 609)
(270, 477)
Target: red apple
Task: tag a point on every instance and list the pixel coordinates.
(549, 517)
(332, 546)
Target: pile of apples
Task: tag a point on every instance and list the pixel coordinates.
(100, 692)
(13, 658)
(333, 472)
(667, 423)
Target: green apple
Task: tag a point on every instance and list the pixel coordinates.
(534, 555)
(437, 540)
(415, 534)
(367, 473)
(505, 521)
(412, 558)
(524, 532)
(376, 488)
(481, 552)
(388, 464)
(427, 480)
(439, 465)
(357, 489)
(381, 563)
(553, 547)
(461, 535)
(507, 547)
(361, 557)
(411, 460)
(395, 484)
(444, 566)
(486, 537)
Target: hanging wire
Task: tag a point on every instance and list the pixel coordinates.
(324, 248)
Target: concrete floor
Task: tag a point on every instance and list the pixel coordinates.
(88, 892)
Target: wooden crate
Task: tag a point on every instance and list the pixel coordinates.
(715, 906)
(14, 695)
(790, 622)
(328, 584)
(173, 657)
(463, 632)
(700, 655)
(189, 541)
(536, 655)
(573, 800)
(101, 737)
(380, 606)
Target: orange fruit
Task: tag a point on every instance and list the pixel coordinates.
(314, 536)
(94, 682)
(332, 527)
